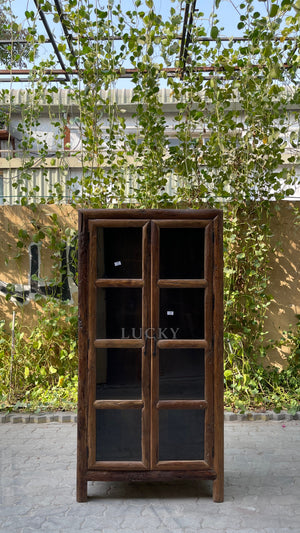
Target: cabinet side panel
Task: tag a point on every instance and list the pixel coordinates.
(83, 353)
(218, 484)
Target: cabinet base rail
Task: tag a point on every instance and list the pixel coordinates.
(150, 475)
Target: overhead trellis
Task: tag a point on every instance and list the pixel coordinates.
(68, 58)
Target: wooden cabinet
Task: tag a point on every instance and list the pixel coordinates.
(150, 400)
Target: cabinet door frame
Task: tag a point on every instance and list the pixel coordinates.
(142, 404)
(206, 343)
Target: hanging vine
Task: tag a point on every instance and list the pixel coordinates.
(235, 148)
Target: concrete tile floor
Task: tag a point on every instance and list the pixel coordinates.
(262, 486)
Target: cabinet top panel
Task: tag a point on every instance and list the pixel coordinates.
(150, 213)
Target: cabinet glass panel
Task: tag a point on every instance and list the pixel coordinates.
(181, 374)
(181, 253)
(118, 435)
(119, 313)
(181, 434)
(118, 374)
(119, 252)
(182, 313)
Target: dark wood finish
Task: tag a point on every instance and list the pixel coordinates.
(209, 359)
(150, 475)
(181, 404)
(92, 347)
(119, 465)
(218, 485)
(119, 343)
(119, 283)
(183, 465)
(181, 343)
(182, 283)
(146, 360)
(210, 465)
(155, 302)
(82, 409)
(112, 223)
(178, 223)
(146, 214)
(118, 404)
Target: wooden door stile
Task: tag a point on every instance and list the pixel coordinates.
(218, 485)
(146, 352)
(155, 302)
(92, 348)
(209, 356)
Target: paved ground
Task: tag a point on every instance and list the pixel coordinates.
(262, 486)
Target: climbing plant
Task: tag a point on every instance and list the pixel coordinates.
(236, 128)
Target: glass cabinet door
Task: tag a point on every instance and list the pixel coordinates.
(119, 377)
(150, 356)
(181, 317)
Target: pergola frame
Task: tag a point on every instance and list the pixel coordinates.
(63, 74)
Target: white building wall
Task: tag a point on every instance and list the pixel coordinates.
(46, 134)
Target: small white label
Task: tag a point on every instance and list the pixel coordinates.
(117, 263)
(170, 313)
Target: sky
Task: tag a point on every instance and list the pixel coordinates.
(227, 10)
(228, 15)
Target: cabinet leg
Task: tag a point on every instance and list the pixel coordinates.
(81, 491)
(218, 489)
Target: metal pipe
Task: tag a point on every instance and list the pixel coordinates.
(188, 38)
(186, 14)
(186, 33)
(28, 71)
(175, 38)
(124, 73)
(67, 35)
(49, 32)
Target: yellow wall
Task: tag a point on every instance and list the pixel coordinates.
(15, 270)
(285, 277)
(284, 260)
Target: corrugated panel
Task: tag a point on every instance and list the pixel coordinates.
(42, 185)
(39, 185)
(63, 97)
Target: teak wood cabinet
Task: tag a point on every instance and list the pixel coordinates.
(150, 401)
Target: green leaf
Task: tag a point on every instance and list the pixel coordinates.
(214, 32)
(294, 139)
(274, 10)
(23, 234)
(150, 50)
